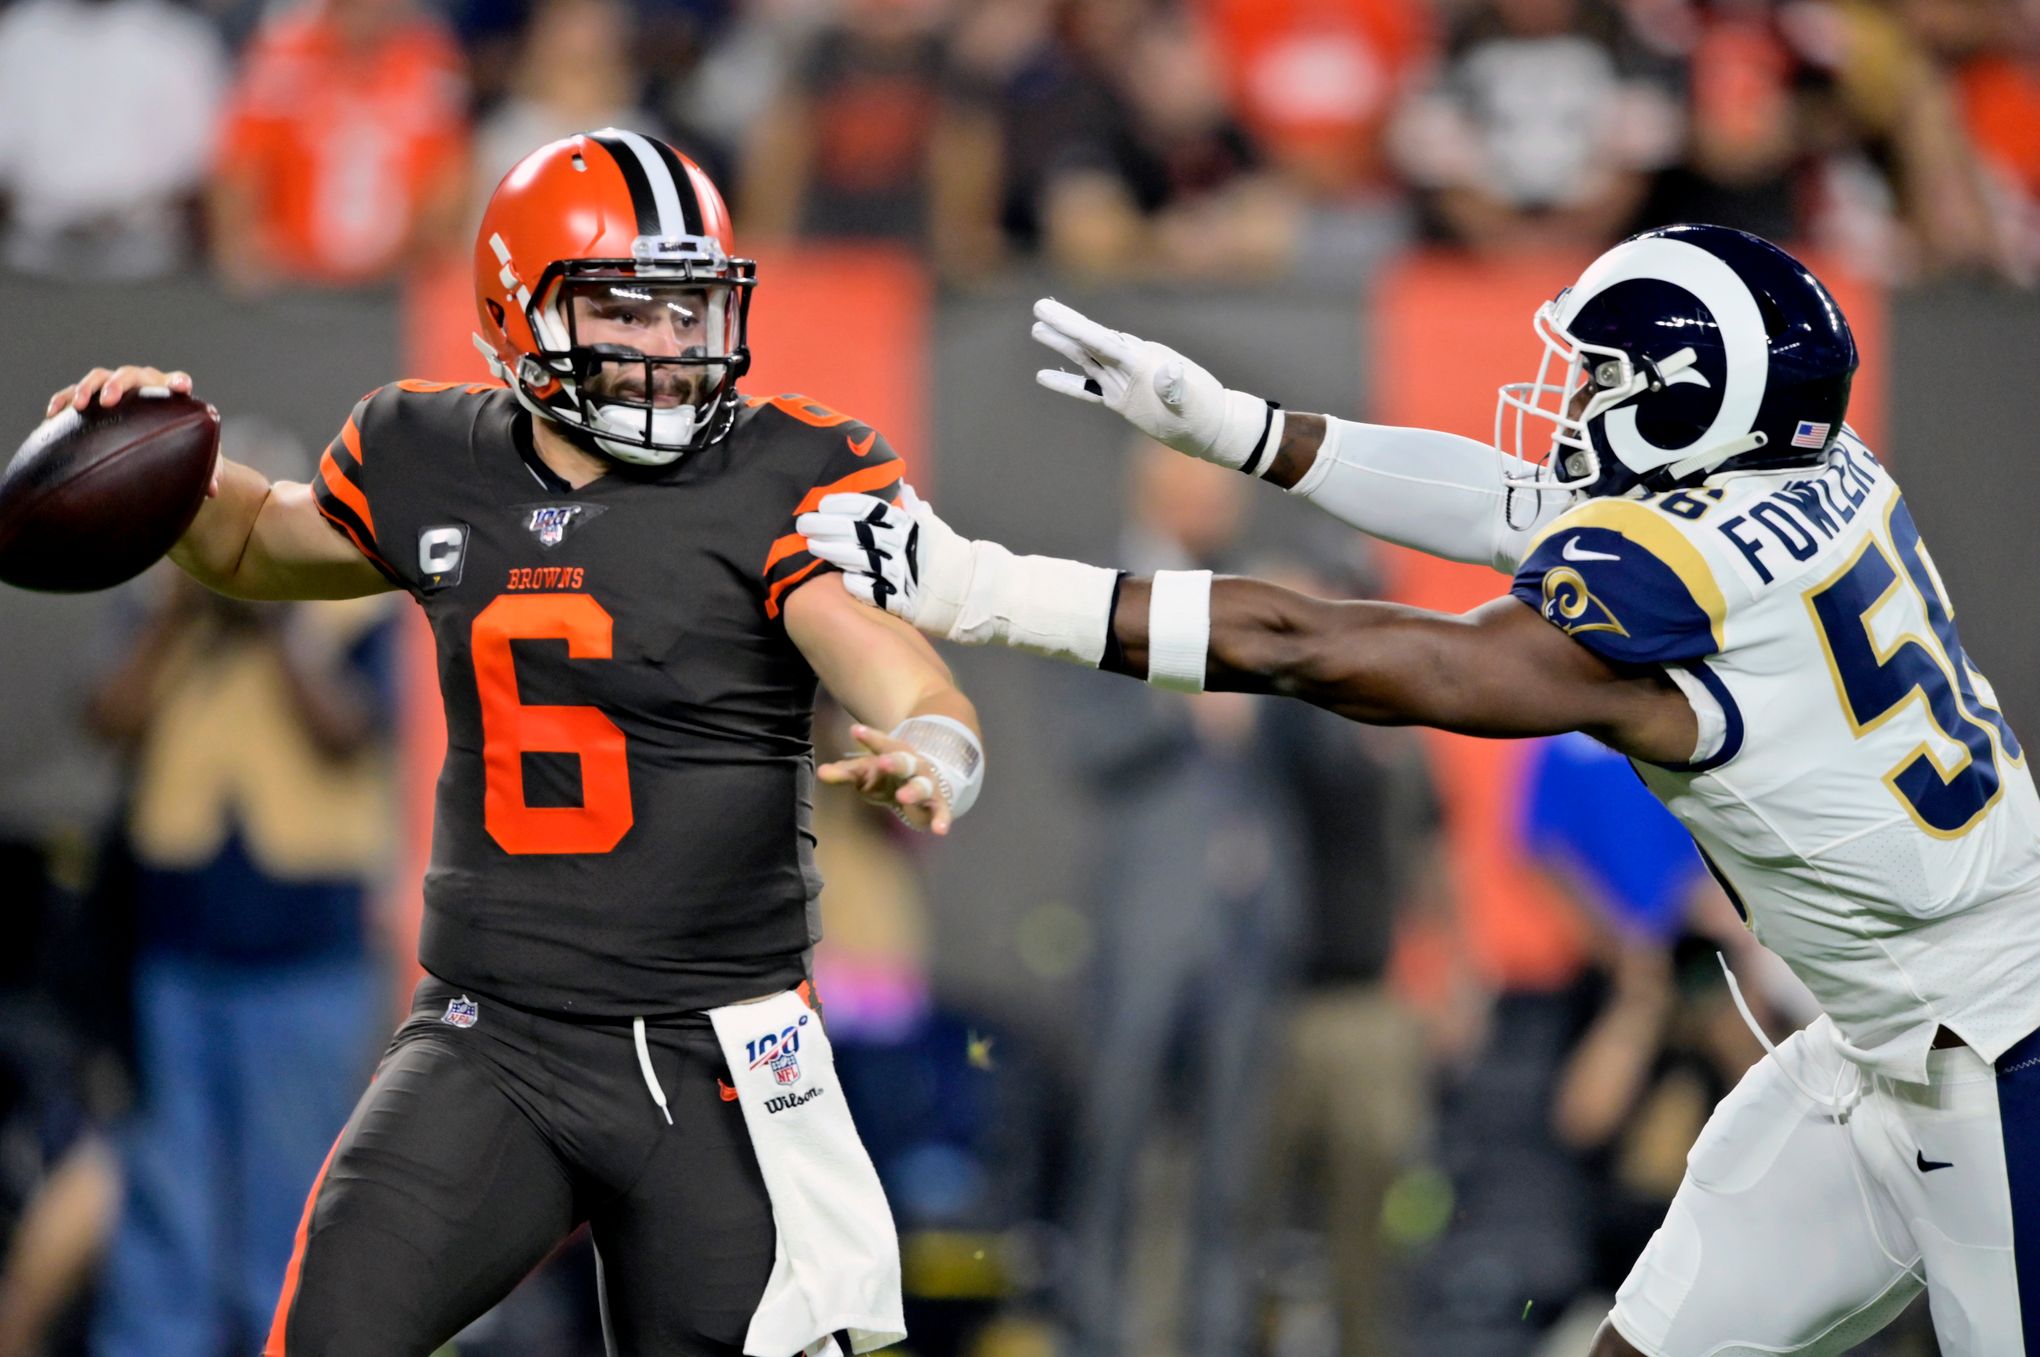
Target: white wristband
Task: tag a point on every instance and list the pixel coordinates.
(953, 753)
(1179, 629)
(1244, 439)
(1261, 460)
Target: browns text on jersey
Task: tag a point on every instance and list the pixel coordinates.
(623, 818)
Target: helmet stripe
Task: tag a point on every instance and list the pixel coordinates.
(641, 200)
(653, 195)
(690, 205)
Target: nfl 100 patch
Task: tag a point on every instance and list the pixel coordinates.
(550, 523)
(779, 1052)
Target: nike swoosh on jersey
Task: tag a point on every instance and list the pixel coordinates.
(1929, 1165)
(1575, 552)
(861, 448)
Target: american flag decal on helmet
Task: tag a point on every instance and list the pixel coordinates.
(1810, 435)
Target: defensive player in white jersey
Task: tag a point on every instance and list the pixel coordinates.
(1714, 576)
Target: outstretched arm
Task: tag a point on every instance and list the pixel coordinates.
(1435, 492)
(1500, 670)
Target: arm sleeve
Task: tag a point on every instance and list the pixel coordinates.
(859, 462)
(340, 488)
(1438, 493)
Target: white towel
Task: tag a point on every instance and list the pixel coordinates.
(836, 1264)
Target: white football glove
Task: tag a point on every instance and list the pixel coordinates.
(904, 559)
(901, 558)
(1157, 390)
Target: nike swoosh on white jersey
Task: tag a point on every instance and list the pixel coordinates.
(1575, 552)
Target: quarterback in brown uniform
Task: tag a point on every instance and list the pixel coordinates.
(629, 633)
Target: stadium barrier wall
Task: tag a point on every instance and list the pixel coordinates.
(949, 377)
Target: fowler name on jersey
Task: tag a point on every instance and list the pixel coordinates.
(623, 817)
(1858, 790)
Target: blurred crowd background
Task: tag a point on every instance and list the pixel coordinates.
(332, 142)
(1223, 1028)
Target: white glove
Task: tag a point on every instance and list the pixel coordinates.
(1157, 390)
(901, 558)
(904, 559)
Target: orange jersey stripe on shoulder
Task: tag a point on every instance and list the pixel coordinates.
(803, 408)
(355, 537)
(427, 388)
(344, 490)
(778, 591)
(790, 545)
(864, 480)
(351, 436)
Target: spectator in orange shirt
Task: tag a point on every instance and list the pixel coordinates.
(1316, 80)
(344, 147)
(1993, 47)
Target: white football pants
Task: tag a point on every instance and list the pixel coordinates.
(1798, 1232)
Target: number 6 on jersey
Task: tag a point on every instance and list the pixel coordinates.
(510, 730)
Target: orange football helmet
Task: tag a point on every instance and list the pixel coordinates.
(614, 222)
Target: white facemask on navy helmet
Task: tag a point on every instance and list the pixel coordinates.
(1680, 354)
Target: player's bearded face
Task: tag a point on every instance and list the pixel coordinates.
(658, 322)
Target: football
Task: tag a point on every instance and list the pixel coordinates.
(95, 497)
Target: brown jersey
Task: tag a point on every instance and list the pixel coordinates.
(623, 818)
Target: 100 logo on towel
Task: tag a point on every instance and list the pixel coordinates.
(780, 1051)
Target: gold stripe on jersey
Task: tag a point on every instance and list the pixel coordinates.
(1645, 527)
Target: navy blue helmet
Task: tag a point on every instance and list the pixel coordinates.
(1681, 354)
